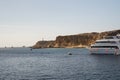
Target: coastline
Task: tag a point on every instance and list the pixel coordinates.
(83, 40)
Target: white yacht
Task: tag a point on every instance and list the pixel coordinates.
(108, 45)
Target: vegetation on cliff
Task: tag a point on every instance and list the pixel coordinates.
(79, 40)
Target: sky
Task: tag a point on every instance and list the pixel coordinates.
(24, 22)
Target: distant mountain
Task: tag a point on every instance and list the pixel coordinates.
(79, 40)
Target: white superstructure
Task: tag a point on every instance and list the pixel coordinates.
(108, 45)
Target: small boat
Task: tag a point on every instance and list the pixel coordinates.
(108, 45)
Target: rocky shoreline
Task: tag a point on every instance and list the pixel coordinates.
(75, 41)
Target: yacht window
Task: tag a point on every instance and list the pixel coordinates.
(104, 47)
(112, 42)
(118, 37)
(109, 38)
(106, 42)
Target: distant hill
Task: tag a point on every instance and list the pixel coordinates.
(79, 40)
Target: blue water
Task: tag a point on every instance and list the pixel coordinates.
(56, 64)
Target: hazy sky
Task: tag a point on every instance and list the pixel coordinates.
(24, 22)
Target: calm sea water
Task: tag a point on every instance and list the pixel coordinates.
(56, 64)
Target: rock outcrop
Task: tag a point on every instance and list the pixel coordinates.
(79, 40)
(44, 44)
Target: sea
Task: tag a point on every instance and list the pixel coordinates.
(57, 64)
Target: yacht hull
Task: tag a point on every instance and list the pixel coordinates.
(105, 51)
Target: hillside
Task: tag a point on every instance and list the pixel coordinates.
(79, 40)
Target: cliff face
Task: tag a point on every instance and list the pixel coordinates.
(44, 44)
(80, 40)
(76, 40)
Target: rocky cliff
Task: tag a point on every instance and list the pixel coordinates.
(44, 44)
(79, 40)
